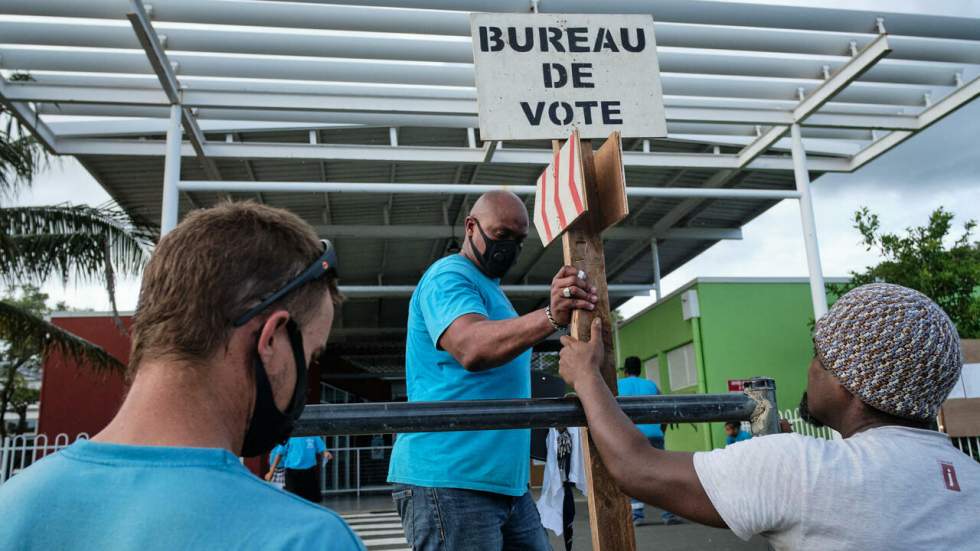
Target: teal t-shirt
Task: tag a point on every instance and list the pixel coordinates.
(94, 495)
(491, 461)
(299, 452)
(635, 386)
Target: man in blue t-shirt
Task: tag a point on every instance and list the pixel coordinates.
(300, 457)
(233, 304)
(469, 490)
(634, 385)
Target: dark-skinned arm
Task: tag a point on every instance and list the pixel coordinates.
(661, 478)
(479, 344)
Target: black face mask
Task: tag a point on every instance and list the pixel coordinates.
(805, 413)
(269, 426)
(499, 256)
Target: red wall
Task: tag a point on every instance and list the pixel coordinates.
(75, 399)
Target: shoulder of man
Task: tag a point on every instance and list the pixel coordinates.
(300, 520)
(452, 264)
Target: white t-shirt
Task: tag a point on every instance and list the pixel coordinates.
(885, 488)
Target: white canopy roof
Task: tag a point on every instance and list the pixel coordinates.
(381, 92)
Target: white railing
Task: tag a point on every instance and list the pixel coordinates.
(21, 451)
(802, 427)
(970, 445)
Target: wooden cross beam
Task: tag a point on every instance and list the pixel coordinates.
(609, 508)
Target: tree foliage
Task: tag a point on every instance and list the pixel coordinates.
(930, 259)
(63, 241)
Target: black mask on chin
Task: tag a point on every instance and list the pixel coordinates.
(499, 256)
(268, 425)
(805, 413)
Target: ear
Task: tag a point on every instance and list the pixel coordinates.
(272, 330)
(469, 226)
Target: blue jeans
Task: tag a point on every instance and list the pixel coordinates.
(451, 519)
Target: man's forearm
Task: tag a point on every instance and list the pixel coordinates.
(498, 342)
(621, 444)
(661, 478)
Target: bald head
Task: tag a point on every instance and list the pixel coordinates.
(502, 205)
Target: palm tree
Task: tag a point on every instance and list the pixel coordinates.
(66, 241)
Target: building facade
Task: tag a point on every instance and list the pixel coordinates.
(715, 330)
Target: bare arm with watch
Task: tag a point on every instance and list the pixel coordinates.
(480, 344)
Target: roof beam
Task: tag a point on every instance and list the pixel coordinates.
(103, 95)
(930, 116)
(157, 57)
(629, 256)
(408, 232)
(464, 155)
(389, 291)
(864, 60)
(712, 189)
(27, 117)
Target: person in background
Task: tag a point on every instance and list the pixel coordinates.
(277, 474)
(300, 456)
(886, 359)
(634, 385)
(234, 303)
(734, 432)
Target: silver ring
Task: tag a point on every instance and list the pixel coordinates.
(566, 292)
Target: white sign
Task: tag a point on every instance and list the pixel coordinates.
(560, 196)
(540, 76)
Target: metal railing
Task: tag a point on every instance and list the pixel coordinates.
(970, 445)
(21, 451)
(802, 427)
(356, 469)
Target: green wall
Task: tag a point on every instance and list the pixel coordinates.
(745, 329)
(654, 333)
(756, 329)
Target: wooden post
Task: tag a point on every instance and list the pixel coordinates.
(609, 508)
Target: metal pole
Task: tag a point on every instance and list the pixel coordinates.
(171, 173)
(401, 417)
(656, 266)
(4, 452)
(817, 291)
(246, 186)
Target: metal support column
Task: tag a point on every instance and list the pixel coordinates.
(171, 173)
(817, 291)
(656, 267)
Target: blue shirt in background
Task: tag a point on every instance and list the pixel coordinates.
(742, 435)
(94, 495)
(635, 386)
(492, 460)
(299, 452)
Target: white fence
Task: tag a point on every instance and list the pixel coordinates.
(21, 451)
(356, 469)
(802, 427)
(970, 445)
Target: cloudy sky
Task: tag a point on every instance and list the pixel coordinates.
(939, 167)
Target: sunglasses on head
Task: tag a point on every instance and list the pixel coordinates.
(326, 264)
